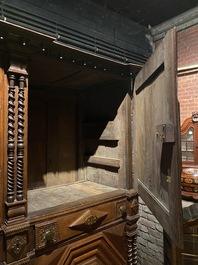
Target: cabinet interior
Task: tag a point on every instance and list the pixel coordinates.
(76, 133)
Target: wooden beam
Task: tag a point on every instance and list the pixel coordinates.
(182, 21)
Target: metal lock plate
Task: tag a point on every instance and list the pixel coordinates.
(165, 133)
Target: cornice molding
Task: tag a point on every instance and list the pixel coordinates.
(181, 22)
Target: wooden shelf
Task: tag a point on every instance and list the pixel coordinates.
(97, 160)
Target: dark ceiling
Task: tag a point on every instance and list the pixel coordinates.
(148, 12)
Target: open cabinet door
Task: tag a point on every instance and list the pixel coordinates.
(157, 162)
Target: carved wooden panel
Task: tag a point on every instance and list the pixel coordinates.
(89, 220)
(46, 234)
(97, 249)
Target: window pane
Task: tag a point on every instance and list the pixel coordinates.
(190, 146)
(183, 156)
(190, 134)
(190, 156)
(183, 146)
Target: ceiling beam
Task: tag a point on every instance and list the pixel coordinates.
(182, 21)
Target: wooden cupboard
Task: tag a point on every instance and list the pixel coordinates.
(75, 143)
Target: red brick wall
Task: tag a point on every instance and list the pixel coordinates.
(187, 41)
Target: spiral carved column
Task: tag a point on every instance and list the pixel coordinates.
(15, 227)
(131, 227)
(16, 203)
(20, 139)
(11, 139)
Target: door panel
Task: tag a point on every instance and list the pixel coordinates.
(157, 164)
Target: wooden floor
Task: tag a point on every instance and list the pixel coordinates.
(43, 198)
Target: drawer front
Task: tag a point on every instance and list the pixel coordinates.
(80, 222)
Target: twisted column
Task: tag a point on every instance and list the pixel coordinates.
(131, 227)
(20, 139)
(11, 144)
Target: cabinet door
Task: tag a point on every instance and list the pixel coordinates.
(157, 164)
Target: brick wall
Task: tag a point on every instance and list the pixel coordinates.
(187, 41)
(150, 238)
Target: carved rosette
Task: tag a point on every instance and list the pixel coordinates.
(46, 233)
(17, 246)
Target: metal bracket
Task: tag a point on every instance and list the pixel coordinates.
(165, 133)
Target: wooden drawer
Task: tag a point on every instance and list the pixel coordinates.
(80, 222)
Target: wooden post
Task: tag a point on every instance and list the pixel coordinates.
(16, 225)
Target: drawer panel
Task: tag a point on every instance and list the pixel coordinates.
(82, 221)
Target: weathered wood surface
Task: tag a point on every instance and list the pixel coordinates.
(52, 141)
(157, 162)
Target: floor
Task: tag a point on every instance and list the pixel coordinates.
(43, 198)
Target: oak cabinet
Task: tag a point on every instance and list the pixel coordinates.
(77, 146)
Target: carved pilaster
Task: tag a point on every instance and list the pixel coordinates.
(16, 226)
(131, 226)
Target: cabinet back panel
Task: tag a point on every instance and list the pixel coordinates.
(52, 141)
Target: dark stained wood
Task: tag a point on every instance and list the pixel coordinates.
(94, 249)
(157, 162)
(2, 89)
(104, 136)
(61, 142)
(37, 142)
(52, 141)
(64, 99)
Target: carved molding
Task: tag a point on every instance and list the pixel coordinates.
(134, 206)
(90, 220)
(75, 253)
(131, 226)
(17, 245)
(46, 233)
(15, 228)
(121, 209)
